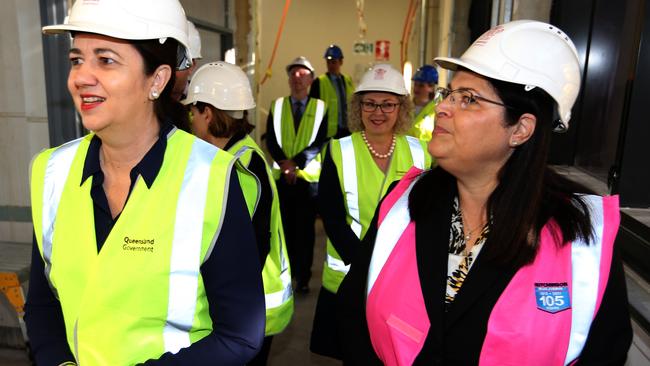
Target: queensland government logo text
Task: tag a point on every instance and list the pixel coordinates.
(138, 245)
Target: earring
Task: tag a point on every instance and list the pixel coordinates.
(153, 95)
(514, 143)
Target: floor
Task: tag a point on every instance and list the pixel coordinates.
(291, 347)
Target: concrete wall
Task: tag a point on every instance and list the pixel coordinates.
(23, 113)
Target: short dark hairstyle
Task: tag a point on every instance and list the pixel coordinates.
(222, 124)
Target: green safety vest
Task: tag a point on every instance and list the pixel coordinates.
(356, 168)
(291, 141)
(276, 273)
(424, 122)
(143, 294)
(328, 95)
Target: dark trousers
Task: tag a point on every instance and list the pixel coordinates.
(325, 339)
(298, 211)
(263, 356)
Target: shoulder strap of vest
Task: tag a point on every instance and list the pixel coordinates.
(242, 150)
(587, 261)
(56, 173)
(320, 111)
(186, 245)
(417, 152)
(396, 220)
(350, 183)
(277, 120)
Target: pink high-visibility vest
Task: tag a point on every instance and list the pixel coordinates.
(542, 317)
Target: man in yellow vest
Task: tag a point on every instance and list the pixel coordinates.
(336, 90)
(295, 133)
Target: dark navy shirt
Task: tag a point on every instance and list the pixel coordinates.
(231, 276)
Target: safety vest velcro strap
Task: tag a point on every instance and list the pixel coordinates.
(337, 264)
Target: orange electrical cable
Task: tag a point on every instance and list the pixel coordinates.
(406, 33)
(409, 26)
(267, 74)
(401, 50)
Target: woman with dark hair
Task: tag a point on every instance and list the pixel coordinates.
(219, 97)
(133, 262)
(492, 258)
(357, 171)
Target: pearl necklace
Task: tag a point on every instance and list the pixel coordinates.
(374, 152)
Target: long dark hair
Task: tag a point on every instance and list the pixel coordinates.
(529, 193)
(154, 55)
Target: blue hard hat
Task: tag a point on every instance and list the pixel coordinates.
(333, 52)
(426, 74)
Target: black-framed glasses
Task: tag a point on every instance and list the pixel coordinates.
(386, 107)
(462, 97)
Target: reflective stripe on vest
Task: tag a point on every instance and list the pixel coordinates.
(417, 152)
(350, 183)
(585, 262)
(337, 264)
(186, 247)
(278, 298)
(398, 216)
(56, 174)
(277, 121)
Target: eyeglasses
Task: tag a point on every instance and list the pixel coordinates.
(464, 97)
(385, 107)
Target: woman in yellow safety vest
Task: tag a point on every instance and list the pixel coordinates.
(357, 171)
(219, 94)
(134, 261)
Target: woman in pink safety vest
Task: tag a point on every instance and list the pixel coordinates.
(492, 258)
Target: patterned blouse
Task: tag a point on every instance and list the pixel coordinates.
(460, 261)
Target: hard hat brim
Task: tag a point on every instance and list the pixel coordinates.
(452, 63)
(380, 90)
(104, 31)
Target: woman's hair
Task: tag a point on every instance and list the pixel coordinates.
(404, 118)
(224, 125)
(529, 193)
(155, 54)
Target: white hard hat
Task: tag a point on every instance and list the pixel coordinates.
(301, 61)
(129, 20)
(194, 40)
(382, 78)
(222, 85)
(530, 53)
